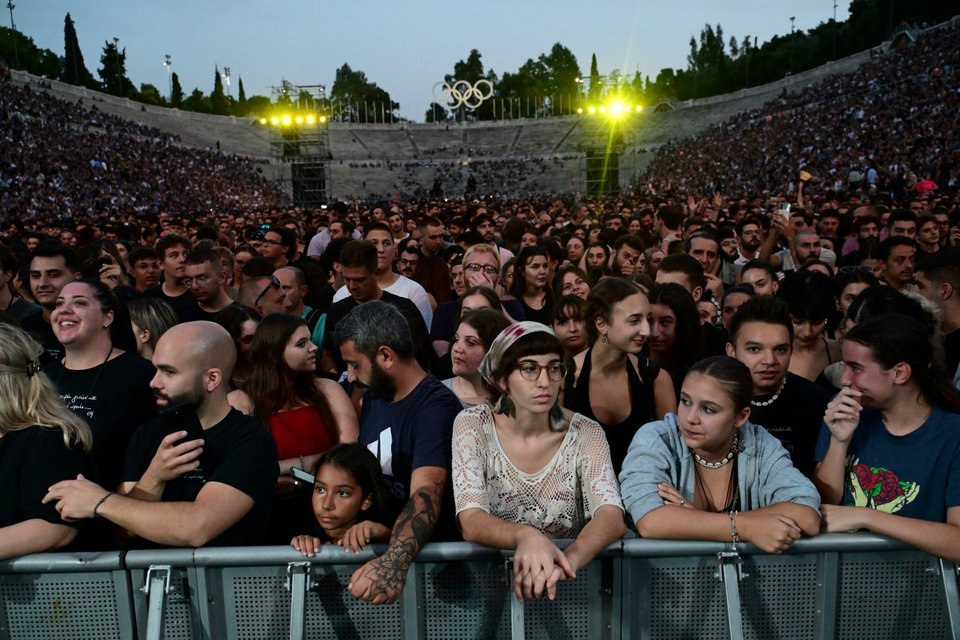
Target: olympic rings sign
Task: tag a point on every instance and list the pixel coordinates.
(463, 94)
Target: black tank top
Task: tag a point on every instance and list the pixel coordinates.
(640, 387)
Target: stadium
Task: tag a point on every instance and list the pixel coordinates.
(865, 131)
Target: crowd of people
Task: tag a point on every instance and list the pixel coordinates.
(69, 160)
(752, 368)
(883, 128)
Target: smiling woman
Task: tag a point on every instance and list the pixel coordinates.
(104, 384)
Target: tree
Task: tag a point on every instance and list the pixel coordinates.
(471, 70)
(74, 69)
(258, 105)
(176, 91)
(149, 94)
(436, 112)
(562, 71)
(197, 102)
(113, 71)
(18, 48)
(218, 100)
(595, 86)
(358, 99)
(240, 108)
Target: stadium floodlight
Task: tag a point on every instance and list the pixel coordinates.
(323, 119)
(298, 119)
(617, 109)
(311, 119)
(579, 109)
(592, 109)
(638, 108)
(263, 121)
(286, 120)
(275, 120)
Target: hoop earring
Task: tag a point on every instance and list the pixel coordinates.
(603, 338)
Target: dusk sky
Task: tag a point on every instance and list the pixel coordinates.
(404, 46)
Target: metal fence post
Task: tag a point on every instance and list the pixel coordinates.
(731, 574)
(517, 627)
(298, 583)
(828, 594)
(156, 586)
(948, 572)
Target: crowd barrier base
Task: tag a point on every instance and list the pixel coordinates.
(834, 586)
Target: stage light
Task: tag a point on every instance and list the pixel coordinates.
(579, 109)
(285, 120)
(616, 108)
(298, 119)
(263, 121)
(323, 119)
(311, 119)
(638, 108)
(592, 109)
(603, 109)
(275, 121)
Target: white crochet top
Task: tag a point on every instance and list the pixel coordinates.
(558, 499)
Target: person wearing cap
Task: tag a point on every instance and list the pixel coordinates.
(527, 471)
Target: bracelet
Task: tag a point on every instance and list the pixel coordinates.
(100, 502)
(734, 534)
(303, 465)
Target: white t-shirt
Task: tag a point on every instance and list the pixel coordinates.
(405, 288)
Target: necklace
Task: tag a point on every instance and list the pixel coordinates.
(96, 378)
(731, 503)
(726, 459)
(767, 403)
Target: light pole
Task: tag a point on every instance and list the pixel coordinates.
(13, 27)
(226, 79)
(116, 51)
(168, 63)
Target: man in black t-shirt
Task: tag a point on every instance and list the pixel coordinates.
(786, 405)
(214, 491)
(173, 250)
(359, 268)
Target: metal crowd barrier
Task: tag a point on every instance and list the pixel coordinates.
(833, 586)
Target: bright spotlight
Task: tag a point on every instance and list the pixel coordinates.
(603, 109)
(311, 119)
(299, 119)
(263, 121)
(286, 121)
(579, 109)
(323, 119)
(616, 108)
(638, 108)
(275, 120)
(592, 109)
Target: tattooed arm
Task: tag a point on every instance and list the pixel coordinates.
(381, 580)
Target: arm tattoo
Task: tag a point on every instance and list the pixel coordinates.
(415, 523)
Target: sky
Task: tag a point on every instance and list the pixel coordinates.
(405, 46)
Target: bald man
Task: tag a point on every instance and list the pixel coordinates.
(214, 491)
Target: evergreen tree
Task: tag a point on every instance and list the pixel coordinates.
(595, 88)
(240, 108)
(218, 101)
(176, 91)
(113, 71)
(74, 70)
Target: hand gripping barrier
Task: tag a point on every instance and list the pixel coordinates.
(833, 586)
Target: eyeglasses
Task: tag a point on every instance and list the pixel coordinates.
(199, 281)
(531, 370)
(856, 269)
(488, 269)
(408, 263)
(274, 284)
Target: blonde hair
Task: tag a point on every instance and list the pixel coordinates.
(482, 248)
(27, 395)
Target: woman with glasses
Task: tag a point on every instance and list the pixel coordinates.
(526, 471)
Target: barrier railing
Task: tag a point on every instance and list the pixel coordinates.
(832, 586)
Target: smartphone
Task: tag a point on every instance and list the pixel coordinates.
(302, 476)
(784, 210)
(182, 417)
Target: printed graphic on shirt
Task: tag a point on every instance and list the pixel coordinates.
(878, 488)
